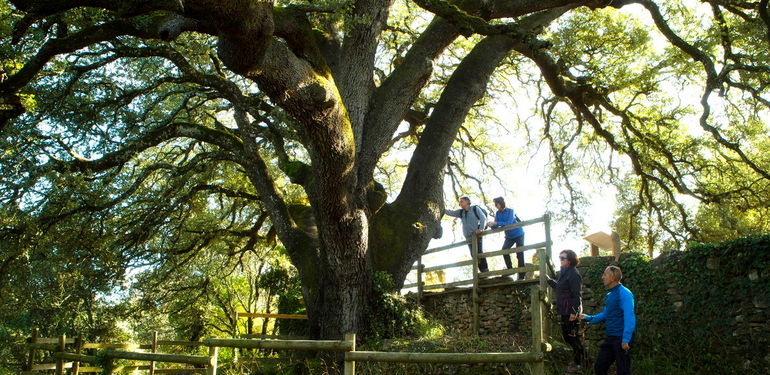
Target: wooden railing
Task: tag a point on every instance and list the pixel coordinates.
(544, 268)
(535, 355)
(208, 364)
(68, 354)
(539, 290)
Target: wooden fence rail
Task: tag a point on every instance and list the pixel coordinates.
(535, 355)
(347, 346)
(66, 360)
(544, 268)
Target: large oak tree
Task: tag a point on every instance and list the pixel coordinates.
(106, 103)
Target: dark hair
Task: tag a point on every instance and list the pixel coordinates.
(466, 199)
(499, 200)
(572, 258)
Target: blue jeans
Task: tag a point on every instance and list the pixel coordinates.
(611, 351)
(507, 244)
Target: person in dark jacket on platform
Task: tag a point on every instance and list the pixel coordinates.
(569, 305)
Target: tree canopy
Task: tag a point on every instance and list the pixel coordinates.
(148, 134)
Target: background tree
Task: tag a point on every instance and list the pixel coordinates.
(175, 125)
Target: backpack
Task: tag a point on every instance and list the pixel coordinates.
(483, 213)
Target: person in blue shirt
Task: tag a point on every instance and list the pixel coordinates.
(506, 216)
(619, 324)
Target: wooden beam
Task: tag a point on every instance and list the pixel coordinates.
(448, 265)
(514, 250)
(274, 337)
(332, 345)
(60, 363)
(403, 357)
(159, 357)
(274, 316)
(213, 357)
(116, 346)
(448, 285)
(47, 340)
(508, 271)
(75, 357)
(350, 365)
(32, 350)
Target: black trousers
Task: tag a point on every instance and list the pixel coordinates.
(482, 261)
(611, 351)
(570, 331)
(507, 244)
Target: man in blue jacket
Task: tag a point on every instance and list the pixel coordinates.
(620, 324)
(505, 216)
(474, 221)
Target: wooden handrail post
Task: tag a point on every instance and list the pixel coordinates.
(475, 291)
(538, 368)
(154, 350)
(31, 358)
(60, 348)
(420, 268)
(213, 359)
(549, 292)
(78, 349)
(544, 254)
(236, 334)
(350, 366)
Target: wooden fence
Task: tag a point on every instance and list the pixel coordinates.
(535, 355)
(69, 355)
(544, 268)
(208, 364)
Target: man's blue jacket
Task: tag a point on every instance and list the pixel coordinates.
(508, 217)
(618, 313)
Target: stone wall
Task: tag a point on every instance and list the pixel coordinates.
(503, 309)
(706, 307)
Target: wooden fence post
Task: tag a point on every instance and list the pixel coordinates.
(420, 267)
(31, 357)
(350, 366)
(475, 291)
(538, 367)
(60, 361)
(236, 334)
(154, 350)
(213, 354)
(78, 349)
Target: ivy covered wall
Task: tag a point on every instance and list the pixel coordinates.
(701, 310)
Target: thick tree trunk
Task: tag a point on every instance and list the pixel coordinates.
(336, 303)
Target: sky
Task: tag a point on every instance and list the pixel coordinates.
(527, 193)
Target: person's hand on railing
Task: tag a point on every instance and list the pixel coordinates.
(491, 223)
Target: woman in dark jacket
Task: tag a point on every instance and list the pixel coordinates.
(569, 305)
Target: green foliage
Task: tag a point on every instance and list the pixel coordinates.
(392, 315)
(717, 284)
